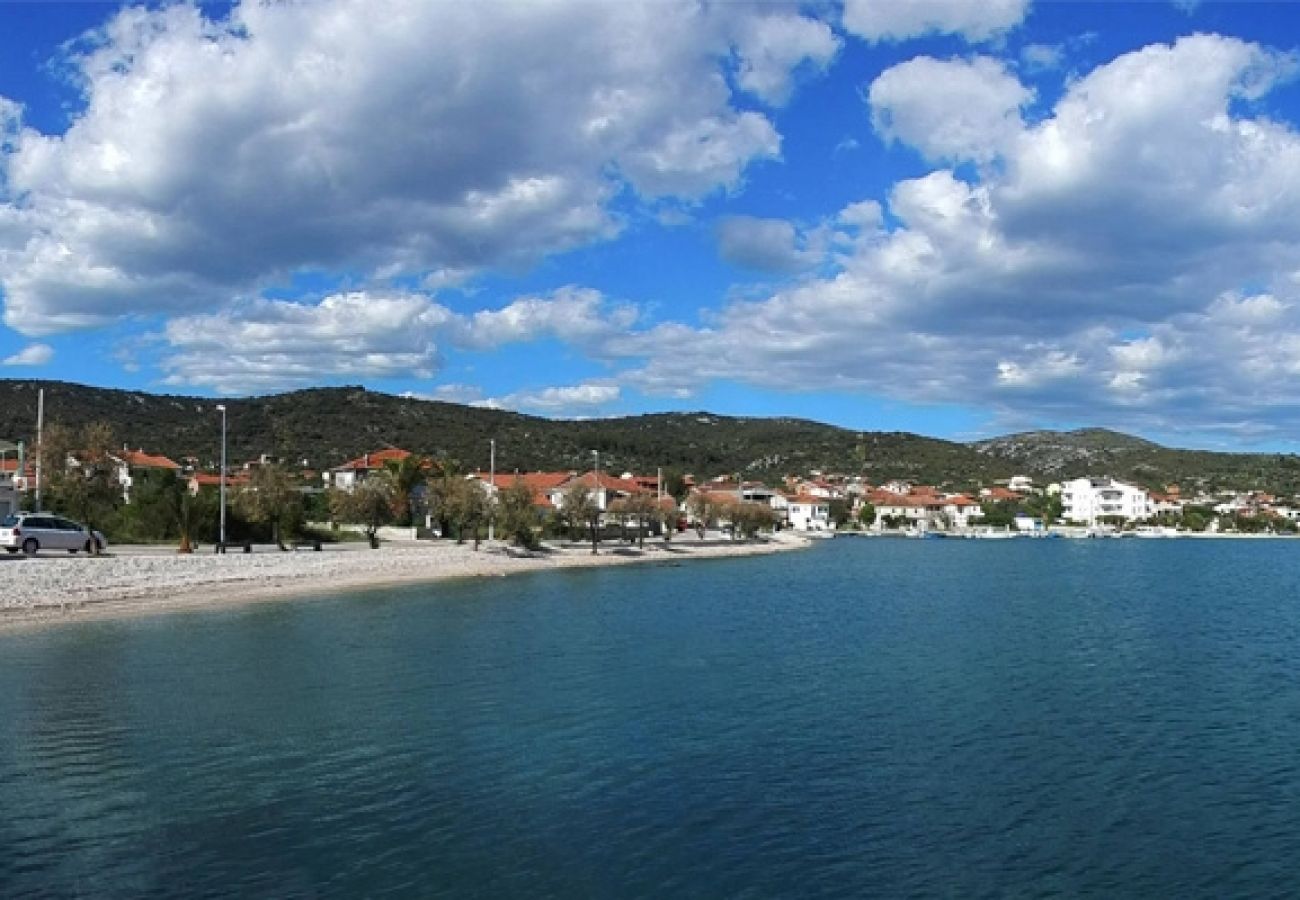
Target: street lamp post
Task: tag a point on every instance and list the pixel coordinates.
(221, 546)
(492, 479)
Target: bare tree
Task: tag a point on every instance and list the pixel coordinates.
(703, 510)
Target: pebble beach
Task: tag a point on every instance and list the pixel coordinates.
(132, 581)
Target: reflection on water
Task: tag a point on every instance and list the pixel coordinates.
(866, 718)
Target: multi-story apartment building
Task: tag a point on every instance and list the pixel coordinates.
(1086, 500)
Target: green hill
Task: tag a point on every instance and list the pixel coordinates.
(327, 426)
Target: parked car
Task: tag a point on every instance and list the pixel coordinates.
(31, 532)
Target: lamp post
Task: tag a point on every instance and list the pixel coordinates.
(492, 478)
(221, 407)
(595, 477)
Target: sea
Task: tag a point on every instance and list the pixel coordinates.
(866, 718)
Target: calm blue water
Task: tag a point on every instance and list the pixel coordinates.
(868, 718)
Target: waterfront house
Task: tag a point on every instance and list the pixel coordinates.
(540, 484)
(1086, 501)
(960, 510)
(604, 487)
(806, 512)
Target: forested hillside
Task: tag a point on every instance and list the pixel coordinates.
(326, 426)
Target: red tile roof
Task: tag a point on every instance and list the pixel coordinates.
(375, 460)
(208, 479)
(809, 499)
(138, 459)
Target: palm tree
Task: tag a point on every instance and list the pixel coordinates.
(409, 474)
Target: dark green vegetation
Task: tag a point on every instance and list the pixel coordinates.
(1052, 455)
(327, 426)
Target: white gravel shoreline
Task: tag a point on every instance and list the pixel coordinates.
(50, 589)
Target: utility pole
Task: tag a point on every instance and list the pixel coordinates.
(221, 407)
(40, 443)
(492, 479)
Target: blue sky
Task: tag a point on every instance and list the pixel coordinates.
(956, 218)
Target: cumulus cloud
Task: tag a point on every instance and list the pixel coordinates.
(973, 117)
(766, 245)
(268, 344)
(1107, 267)
(975, 20)
(31, 355)
(212, 157)
(583, 399)
(773, 47)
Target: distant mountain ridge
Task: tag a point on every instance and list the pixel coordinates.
(327, 426)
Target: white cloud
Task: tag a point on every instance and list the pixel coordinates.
(1108, 268)
(950, 109)
(571, 400)
(211, 158)
(31, 355)
(576, 315)
(1042, 57)
(270, 344)
(892, 20)
(772, 47)
(767, 245)
(265, 345)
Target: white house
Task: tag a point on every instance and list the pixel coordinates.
(1085, 500)
(351, 473)
(960, 509)
(134, 465)
(8, 496)
(808, 513)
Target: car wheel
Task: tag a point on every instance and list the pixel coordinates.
(72, 551)
(12, 549)
(30, 546)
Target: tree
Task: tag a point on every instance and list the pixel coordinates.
(621, 513)
(517, 514)
(578, 503)
(271, 498)
(192, 512)
(675, 485)
(369, 504)
(999, 513)
(668, 515)
(703, 510)
(867, 515)
(408, 476)
(644, 508)
(83, 475)
(443, 480)
(1047, 507)
(749, 518)
(466, 506)
(840, 512)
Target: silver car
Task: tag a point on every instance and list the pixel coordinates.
(31, 532)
